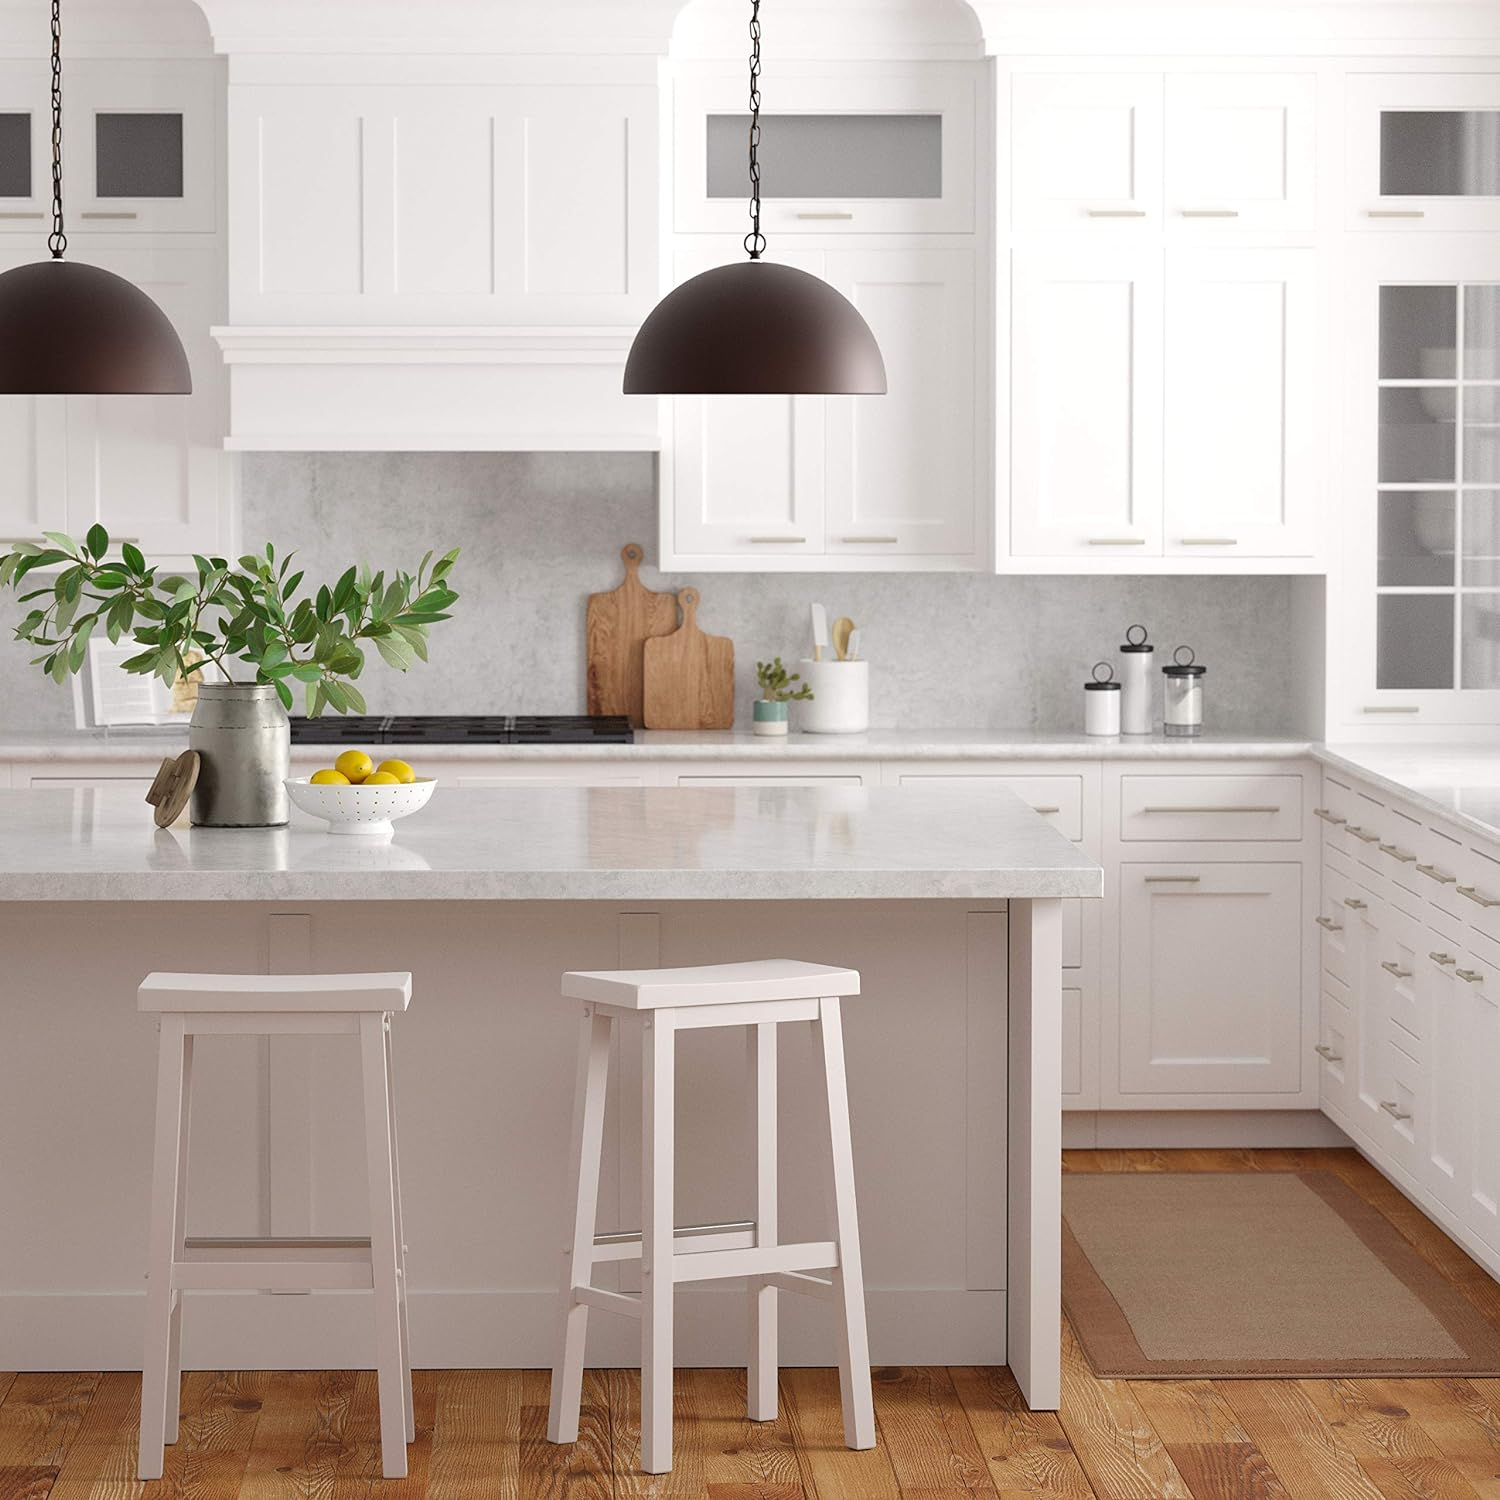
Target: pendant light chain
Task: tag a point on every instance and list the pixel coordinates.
(57, 241)
(755, 241)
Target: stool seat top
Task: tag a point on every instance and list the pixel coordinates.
(711, 984)
(291, 994)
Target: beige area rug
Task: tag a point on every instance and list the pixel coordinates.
(1183, 1275)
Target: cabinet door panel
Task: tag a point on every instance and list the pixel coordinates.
(1086, 402)
(1444, 1135)
(25, 150)
(1241, 472)
(1335, 1047)
(1210, 981)
(1086, 151)
(1241, 152)
(901, 467)
(1482, 1185)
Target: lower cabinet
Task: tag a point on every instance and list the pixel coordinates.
(1210, 1010)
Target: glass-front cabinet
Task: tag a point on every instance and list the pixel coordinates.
(1423, 460)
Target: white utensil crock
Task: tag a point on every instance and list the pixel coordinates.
(840, 703)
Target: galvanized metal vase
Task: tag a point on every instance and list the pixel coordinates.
(241, 731)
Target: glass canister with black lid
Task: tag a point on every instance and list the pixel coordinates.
(1182, 694)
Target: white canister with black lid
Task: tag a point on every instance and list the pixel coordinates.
(1101, 701)
(1136, 684)
(1182, 694)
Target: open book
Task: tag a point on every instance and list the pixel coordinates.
(112, 695)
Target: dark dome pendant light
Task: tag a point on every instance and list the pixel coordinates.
(754, 328)
(75, 330)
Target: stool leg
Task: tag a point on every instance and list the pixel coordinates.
(657, 1231)
(390, 1096)
(849, 1277)
(161, 1361)
(761, 1376)
(584, 1159)
(383, 1250)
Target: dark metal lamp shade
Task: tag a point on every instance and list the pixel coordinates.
(68, 329)
(753, 328)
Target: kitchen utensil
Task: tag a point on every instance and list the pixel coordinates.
(617, 628)
(689, 676)
(362, 811)
(820, 631)
(854, 645)
(174, 783)
(1101, 701)
(1136, 685)
(843, 628)
(1182, 694)
(840, 703)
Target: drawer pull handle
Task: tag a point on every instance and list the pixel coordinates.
(829, 214)
(777, 541)
(1470, 976)
(1394, 1110)
(1364, 835)
(1328, 817)
(887, 541)
(1047, 812)
(1394, 969)
(1433, 873)
(1472, 893)
(99, 213)
(17, 213)
(1354, 903)
(1117, 541)
(1405, 856)
(1116, 213)
(1210, 213)
(1442, 959)
(1240, 809)
(1329, 925)
(1209, 541)
(1395, 213)
(1390, 708)
(1173, 879)
(1327, 1053)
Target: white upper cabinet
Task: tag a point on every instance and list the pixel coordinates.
(25, 147)
(1086, 150)
(1086, 381)
(1241, 152)
(892, 153)
(425, 204)
(1241, 472)
(1424, 151)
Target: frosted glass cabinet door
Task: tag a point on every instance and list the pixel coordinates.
(1243, 391)
(1086, 416)
(1086, 151)
(1241, 152)
(25, 149)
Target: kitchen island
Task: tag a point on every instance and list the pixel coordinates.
(947, 899)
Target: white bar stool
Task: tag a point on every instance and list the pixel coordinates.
(190, 1005)
(759, 996)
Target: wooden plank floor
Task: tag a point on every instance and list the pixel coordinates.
(945, 1434)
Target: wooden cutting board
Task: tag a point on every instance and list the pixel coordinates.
(619, 624)
(689, 675)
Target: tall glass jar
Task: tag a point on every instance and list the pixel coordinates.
(1182, 694)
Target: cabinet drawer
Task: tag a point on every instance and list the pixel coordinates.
(1400, 1104)
(1335, 1034)
(1477, 891)
(1213, 808)
(1059, 799)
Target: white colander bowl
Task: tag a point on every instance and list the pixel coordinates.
(363, 811)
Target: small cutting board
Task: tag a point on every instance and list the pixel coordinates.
(689, 675)
(619, 624)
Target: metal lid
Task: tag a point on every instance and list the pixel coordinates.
(1131, 644)
(1105, 684)
(1177, 667)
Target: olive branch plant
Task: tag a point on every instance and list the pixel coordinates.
(246, 613)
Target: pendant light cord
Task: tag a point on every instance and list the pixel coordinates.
(57, 241)
(755, 241)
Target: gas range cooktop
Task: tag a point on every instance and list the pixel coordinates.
(464, 729)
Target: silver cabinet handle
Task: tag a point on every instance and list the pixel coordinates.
(1117, 541)
(1327, 1053)
(886, 540)
(1210, 809)
(1354, 903)
(776, 541)
(1433, 873)
(1328, 924)
(1209, 541)
(1363, 834)
(1442, 959)
(1474, 894)
(1395, 213)
(1046, 812)
(1210, 213)
(1173, 879)
(21, 213)
(1390, 708)
(1394, 969)
(122, 213)
(1403, 856)
(1470, 976)
(1328, 817)
(1393, 1109)
(1116, 213)
(824, 214)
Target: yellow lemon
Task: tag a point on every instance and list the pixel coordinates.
(397, 768)
(381, 778)
(328, 778)
(355, 765)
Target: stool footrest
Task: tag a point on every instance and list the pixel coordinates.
(626, 1244)
(804, 1286)
(760, 1260)
(266, 1264)
(624, 1303)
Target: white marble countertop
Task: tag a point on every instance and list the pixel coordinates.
(559, 844)
(655, 745)
(1457, 781)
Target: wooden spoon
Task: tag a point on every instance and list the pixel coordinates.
(843, 628)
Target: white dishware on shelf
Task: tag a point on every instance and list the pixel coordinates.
(361, 811)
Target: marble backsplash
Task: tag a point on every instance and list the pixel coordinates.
(540, 532)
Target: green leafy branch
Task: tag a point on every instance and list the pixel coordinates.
(776, 683)
(248, 613)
